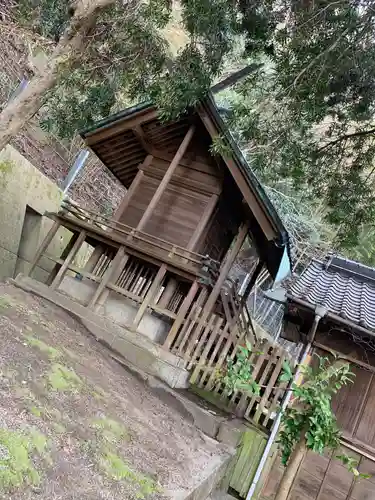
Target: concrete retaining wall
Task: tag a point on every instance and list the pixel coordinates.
(117, 308)
(25, 195)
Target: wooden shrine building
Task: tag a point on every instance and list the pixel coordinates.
(332, 306)
(159, 266)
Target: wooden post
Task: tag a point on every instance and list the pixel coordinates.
(43, 247)
(168, 293)
(132, 189)
(72, 253)
(181, 315)
(225, 268)
(150, 295)
(210, 207)
(63, 256)
(167, 177)
(100, 292)
(94, 259)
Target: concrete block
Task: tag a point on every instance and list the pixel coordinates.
(202, 491)
(117, 308)
(23, 187)
(230, 432)
(8, 262)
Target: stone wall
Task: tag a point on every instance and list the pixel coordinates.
(25, 194)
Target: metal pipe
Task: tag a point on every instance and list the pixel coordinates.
(320, 312)
(76, 168)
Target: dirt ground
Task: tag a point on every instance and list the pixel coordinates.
(74, 424)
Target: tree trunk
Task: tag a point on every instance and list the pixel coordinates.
(73, 42)
(291, 471)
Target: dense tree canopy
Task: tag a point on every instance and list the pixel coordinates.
(307, 114)
(128, 57)
(304, 116)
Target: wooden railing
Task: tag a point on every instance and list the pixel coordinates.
(206, 344)
(130, 235)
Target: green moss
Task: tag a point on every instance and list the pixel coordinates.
(61, 378)
(6, 167)
(115, 467)
(37, 412)
(110, 430)
(16, 466)
(4, 301)
(42, 346)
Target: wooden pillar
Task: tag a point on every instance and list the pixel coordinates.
(167, 177)
(181, 315)
(94, 258)
(150, 295)
(78, 241)
(224, 270)
(63, 256)
(210, 207)
(168, 293)
(132, 189)
(43, 247)
(101, 293)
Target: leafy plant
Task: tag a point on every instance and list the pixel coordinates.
(309, 421)
(352, 465)
(310, 417)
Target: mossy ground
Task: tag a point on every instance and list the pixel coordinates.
(16, 465)
(73, 420)
(62, 378)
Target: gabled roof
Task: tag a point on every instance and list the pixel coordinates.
(268, 231)
(345, 288)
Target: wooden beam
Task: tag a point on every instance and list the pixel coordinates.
(116, 128)
(140, 135)
(181, 315)
(204, 220)
(150, 295)
(167, 177)
(63, 256)
(43, 246)
(247, 192)
(132, 189)
(69, 258)
(108, 275)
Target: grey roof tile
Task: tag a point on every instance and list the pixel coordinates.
(344, 287)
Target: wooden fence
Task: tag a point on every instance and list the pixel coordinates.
(206, 346)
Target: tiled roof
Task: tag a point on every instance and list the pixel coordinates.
(346, 288)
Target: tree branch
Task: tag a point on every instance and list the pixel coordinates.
(346, 136)
(235, 77)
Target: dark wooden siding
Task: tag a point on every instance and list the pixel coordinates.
(325, 478)
(182, 204)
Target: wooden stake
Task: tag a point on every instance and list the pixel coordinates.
(43, 247)
(181, 315)
(150, 295)
(167, 177)
(61, 273)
